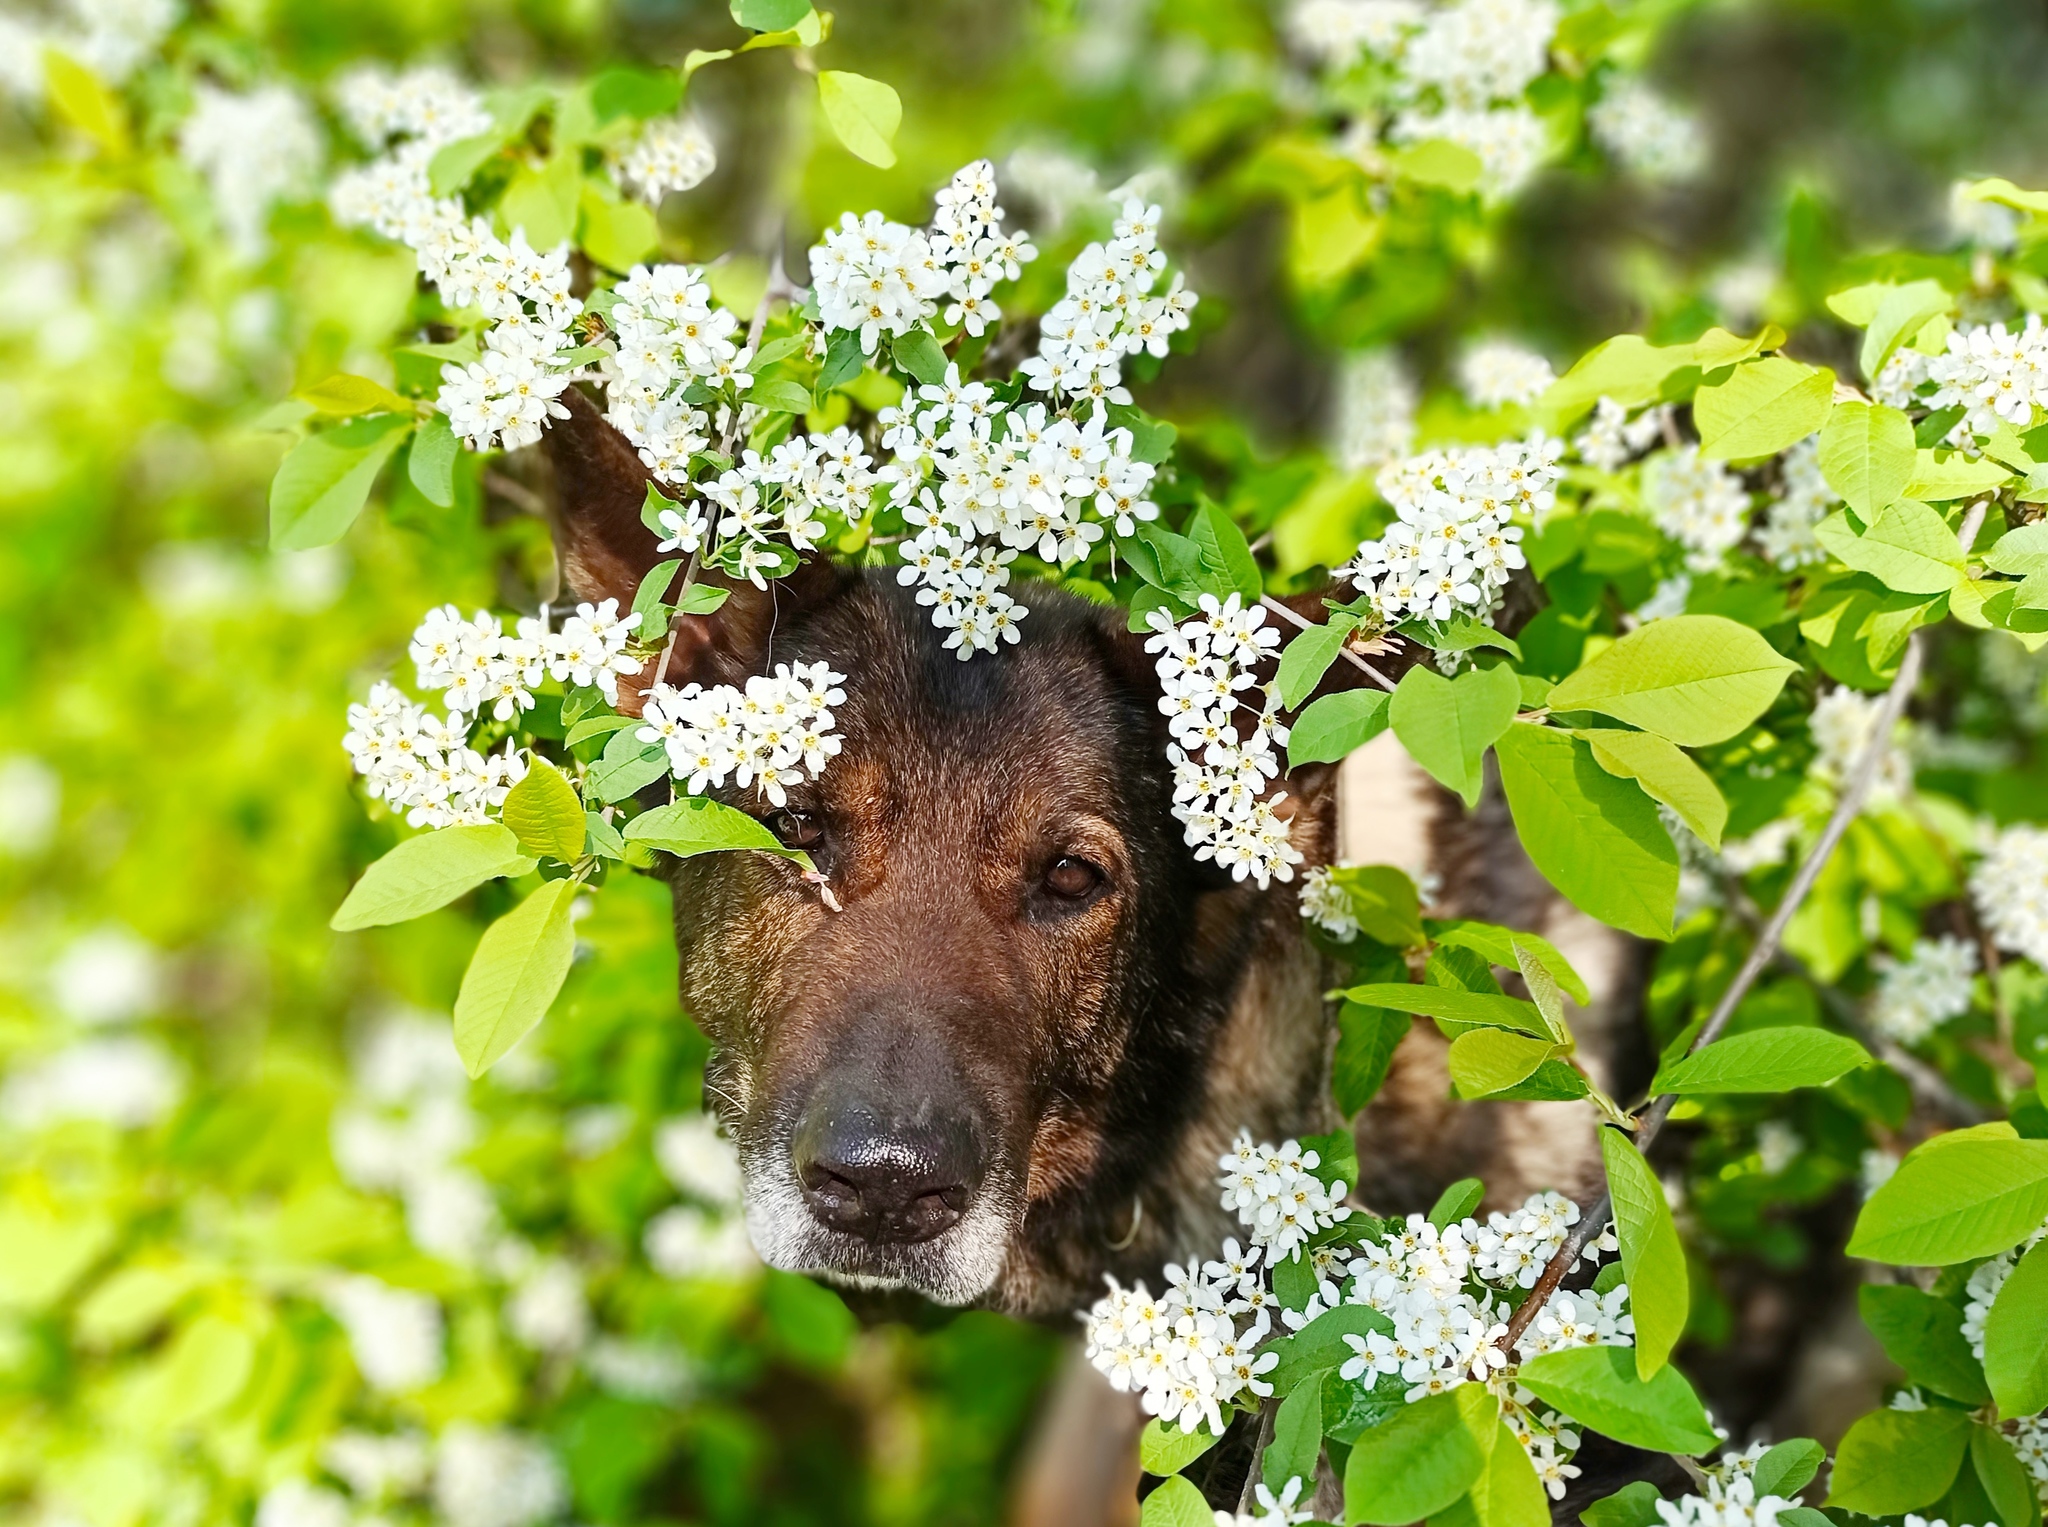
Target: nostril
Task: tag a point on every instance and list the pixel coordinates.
(897, 1181)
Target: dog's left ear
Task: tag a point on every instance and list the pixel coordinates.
(606, 549)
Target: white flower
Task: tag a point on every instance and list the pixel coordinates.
(1994, 375)
(685, 1242)
(492, 1478)
(395, 1334)
(1645, 132)
(875, 277)
(1778, 1145)
(1375, 415)
(1700, 504)
(674, 154)
(295, 1503)
(1477, 52)
(1611, 437)
(1735, 1505)
(1274, 1510)
(1498, 372)
(1336, 32)
(106, 976)
(1983, 1289)
(1510, 142)
(1786, 536)
(698, 1160)
(1986, 224)
(549, 1313)
(1327, 904)
(775, 732)
(254, 151)
(1843, 725)
(378, 1467)
(2010, 889)
(126, 1082)
(1918, 997)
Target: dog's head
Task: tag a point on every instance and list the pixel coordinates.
(1006, 1020)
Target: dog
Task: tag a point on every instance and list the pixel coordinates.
(1007, 1063)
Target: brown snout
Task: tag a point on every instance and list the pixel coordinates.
(891, 1147)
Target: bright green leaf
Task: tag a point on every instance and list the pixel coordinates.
(428, 872)
(1420, 1459)
(1695, 679)
(348, 395)
(1908, 548)
(1297, 1438)
(431, 462)
(1177, 1503)
(1667, 774)
(1632, 1505)
(863, 113)
(1764, 1060)
(2005, 1479)
(1924, 1336)
(1651, 1258)
(1765, 406)
(1901, 313)
(1457, 1201)
(1952, 1202)
(1599, 1386)
(1485, 1008)
(918, 353)
(694, 825)
(1164, 1449)
(1867, 454)
(519, 965)
(1484, 1061)
(1337, 725)
(1787, 1468)
(1898, 1460)
(1224, 554)
(1366, 1039)
(1448, 724)
(2016, 1338)
(324, 481)
(769, 15)
(544, 814)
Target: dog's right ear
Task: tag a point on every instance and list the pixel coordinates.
(605, 550)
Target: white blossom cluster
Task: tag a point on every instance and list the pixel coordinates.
(475, 1477)
(1645, 132)
(1222, 765)
(1498, 372)
(1729, 1503)
(2010, 890)
(2029, 1439)
(1375, 414)
(1326, 903)
(1698, 503)
(1786, 535)
(765, 504)
(507, 395)
(422, 764)
(705, 1238)
(1460, 70)
(674, 154)
(254, 151)
(1917, 997)
(1996, 375)
(1843, 724)
(109, 37)
(1611, 437)
(1982, 1290)
(1273, 1510)
(667, 335)
(1109, 312)
(1277, 1196)
(880, 277)
(981, 482)
(124, 1081)
(774, 733)
(1452, 546)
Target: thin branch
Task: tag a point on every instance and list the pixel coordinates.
(515, 492)
(1247, 1497)
(1847, 808)
(1344, 652)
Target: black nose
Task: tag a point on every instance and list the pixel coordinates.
(900, 1171)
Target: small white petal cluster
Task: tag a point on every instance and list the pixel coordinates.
(773, 733)
(1645, 132)
(1499, 372)
(1185, 1352)
(1611, 437)
(1786, 534)
(1277, 1196)
(295, 1503)
(674, 154)
(1778, 1145)
(254, 151)
(698, 1160)
(547, 1312)
(1376, 401)
(1274, 1510)
(479, 664)
(422, 763)
(1843, 723)
(489, 1477)
(1479, 52)
(667, 336)
(1109, 312)
(1222, 765)
(1996, 375)
(1510, 142)
(513, 388)
(124, 1081)
(1699, 504)
(1452, 546)
(395, 1334)
(378, 1466)
(1733, 1504)
(2010, 889)
(1326, 903)
(981, 482)
(1336, 32)
(1983, 1288)
(1984, 224)
(880, 277)
(1917, 997)
(770, 507)
(1515, 1248)
(2029, 1439)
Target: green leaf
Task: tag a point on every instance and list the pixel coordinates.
(1924, 1336)
(604, 839)
(769, 15)
(1627, 368)
(648, 598)
(1632, 1505)
(1552, 1082)
(2021, 552)
(1224, 554)
(1455, 1006)
(2016, 1338)
(1764, 1060)
(1457, 1201)
(1695, 679)
(1177, 1503)
(1366, 1037)
(616, 233)
(2004, 1478)
(1337, 725)
(1898, 1460)
(349, 395)
(1787, 1468)
(918, 353)
(545, 815)
(1384, 901)
(702, 599)
(1666, 774)
(431, 462)
(544, 201)
(843, 360)
(781, 396)
(694, 825)
(1512, 948)
(1600, 1387)
(1763, 407)
(629, 765)
(454, 164)
(1448, 724)
(1908, 548)
(1437, 162)
(519, 965)
(1485, 1061)
(1867, 454)
(1164, 1449)
(1297, 1438)
(639, 93)
(1901, 313)
(1952, 475)
(1420, 1459)
(1955, 1202)
(863, 113)
(1507, 1492)
(324, 481)
(1651, 1257)
(428, 872)
(1596, 838)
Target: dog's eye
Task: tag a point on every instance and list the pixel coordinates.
(795, 829)
(1072, 878)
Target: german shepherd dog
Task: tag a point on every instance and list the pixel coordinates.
(1008, 1061)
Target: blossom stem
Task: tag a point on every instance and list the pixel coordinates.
(1344, 652)
(1847, 808)
(1247, 1498)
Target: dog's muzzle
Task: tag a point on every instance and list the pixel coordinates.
(890, 1158)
